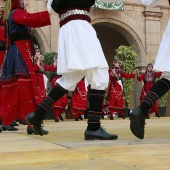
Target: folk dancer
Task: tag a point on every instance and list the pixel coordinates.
(162, 86)
(148, 79)
(80, 55)
(18, 77)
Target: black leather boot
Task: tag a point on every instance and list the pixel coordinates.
(9, 128)
(61, 118)
(30, 130)
(14, 124)
(137, 123)
(123, 117)
(24, 122)
(56, 120)
(80, 117)
(157, 115)
(99, 134)
(33, 120)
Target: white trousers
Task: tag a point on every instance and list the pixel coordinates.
(98, 78)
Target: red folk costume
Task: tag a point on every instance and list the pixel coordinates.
(18, 79)
(2, 45)
(116, 101)
(2, 38)
(148, 79)
(40, 79)
(106, 112)
(2, 48)
(79, 100)
(60, 104)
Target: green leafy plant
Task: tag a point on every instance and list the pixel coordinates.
(126, 56)
(163, 100)
(48, 59)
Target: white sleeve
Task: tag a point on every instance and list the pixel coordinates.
(150, 2)
(86, 84)
(49, 9)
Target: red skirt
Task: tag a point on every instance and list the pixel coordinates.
(116, 100)
(79, 97)
(17, 99)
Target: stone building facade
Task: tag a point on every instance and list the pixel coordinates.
(136, 25)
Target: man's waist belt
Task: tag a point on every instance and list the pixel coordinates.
(74, 14)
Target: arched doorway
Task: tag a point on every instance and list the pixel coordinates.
(110, 40)
(111, 36)
(40, 39)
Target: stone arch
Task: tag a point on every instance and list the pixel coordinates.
(41, 39)
(130, 30)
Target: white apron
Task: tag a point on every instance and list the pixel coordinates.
(79, 48)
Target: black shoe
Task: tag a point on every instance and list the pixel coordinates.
(99, 134)
(76, 119)
(147, 117)
(80, 117)
(9, 128)
(157, 115)
(0, 130)
(61, 118)
(137, 123)
(14, 124)
(123, 117)
(20, 121)
(30, 130)
(111, 118)
(24, 122)
(102, 117)
(33, 120)
(56, 120)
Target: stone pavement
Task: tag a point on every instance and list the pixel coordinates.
(64, 148)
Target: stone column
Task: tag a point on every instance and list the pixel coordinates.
(152, 42)
(153, 33)
(2, 3)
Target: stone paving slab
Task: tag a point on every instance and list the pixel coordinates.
(64, 147)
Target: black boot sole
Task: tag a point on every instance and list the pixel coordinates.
(99, 138)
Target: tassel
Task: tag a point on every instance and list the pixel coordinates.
(7, 9)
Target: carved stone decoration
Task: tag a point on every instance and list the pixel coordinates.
(109, 6)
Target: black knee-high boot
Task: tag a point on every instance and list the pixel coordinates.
(35, 118)
(137, 117)
(157, 90)
(95, 109)
(56, 93)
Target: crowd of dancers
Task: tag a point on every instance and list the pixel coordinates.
(80, 66)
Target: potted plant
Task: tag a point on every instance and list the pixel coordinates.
(162, 104)
(126, 56)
